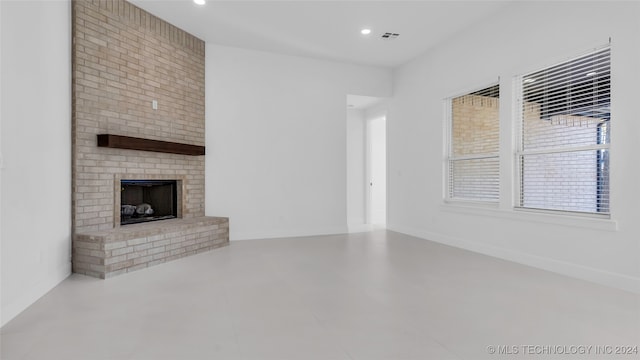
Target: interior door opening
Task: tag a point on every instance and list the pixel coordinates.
(377, 171)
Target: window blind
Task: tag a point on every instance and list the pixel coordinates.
(473, 161)
(564, 144)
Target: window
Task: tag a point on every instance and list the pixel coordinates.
(564, 137)
(473, 161)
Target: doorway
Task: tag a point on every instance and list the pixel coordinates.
(377, 171)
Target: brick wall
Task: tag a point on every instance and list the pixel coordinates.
(475, 130)
(123, 59)
(475, 125)
(565, 181)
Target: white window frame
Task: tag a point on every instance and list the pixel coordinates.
(519, 152)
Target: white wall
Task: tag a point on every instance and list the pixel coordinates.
(522, 38)
(276, 140)
(36, 149)
(355, 169)
(1, 165)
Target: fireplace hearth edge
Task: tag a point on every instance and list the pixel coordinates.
(107, 253)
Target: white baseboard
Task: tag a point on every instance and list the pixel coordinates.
(285, 233)
(51, 280)
(615, 280)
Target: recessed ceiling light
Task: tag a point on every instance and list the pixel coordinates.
(526, 81)
(200, 2)
(591, 73)
(365, 31)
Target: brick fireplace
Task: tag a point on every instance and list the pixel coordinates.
(135, 75)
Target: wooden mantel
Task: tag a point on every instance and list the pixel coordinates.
(134, 143)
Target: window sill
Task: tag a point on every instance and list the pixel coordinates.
(585, 222)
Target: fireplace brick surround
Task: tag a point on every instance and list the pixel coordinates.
(106, 253)
(125, 59)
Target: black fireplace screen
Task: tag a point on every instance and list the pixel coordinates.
(147, 200)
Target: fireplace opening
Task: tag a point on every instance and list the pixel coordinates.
(147, 200)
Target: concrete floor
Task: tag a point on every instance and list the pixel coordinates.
(372, 295)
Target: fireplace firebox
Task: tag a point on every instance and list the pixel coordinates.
(147, 200)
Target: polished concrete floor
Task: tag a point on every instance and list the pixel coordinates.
(375, 295)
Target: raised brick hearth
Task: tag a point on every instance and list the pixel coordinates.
(136, 76)
(106, 253)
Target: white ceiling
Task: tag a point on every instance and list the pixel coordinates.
(326, 29)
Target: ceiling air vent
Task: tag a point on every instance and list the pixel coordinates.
(389, 36)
